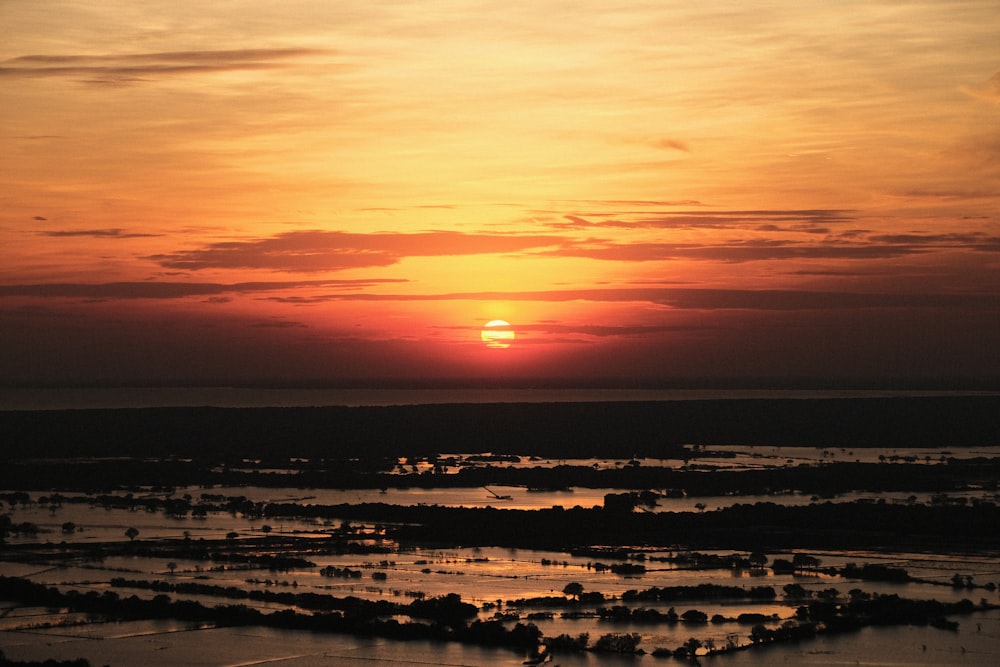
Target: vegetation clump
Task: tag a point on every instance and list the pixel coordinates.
(79, 662)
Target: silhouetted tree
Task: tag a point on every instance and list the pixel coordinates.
(695, 616)
(574, 589)
(805, 562)
(795, 591)
(617, 643)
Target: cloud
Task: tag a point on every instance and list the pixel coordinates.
(760, 244)
(918, 242)
(672, 144)
(278, 324)
(988, 91)
(38, 313)
(321, 250)
(971, 241)
(638, 202)
(97, 233)
(983, 151)
(709, 299)
(549, 332)
(579, 222)
(835, 273)
(175, 290)
(734, 252)
(593, 330)
(318, 250)
(129, 67)
(802, 229)
(799, 220)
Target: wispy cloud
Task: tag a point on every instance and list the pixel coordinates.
(278, 324)
(129, 67)
(638, 202)
(985, 153)
(801, 229)
(321, 250)
(96, 233)
(708, 299)
(988, 91)
(757, 235)
(591, 330)
(801, 220)
(970, 240)
(672, 144)
(176, 290)
(306, 251)
(732, 253)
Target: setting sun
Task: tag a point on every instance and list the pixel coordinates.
(497, 333)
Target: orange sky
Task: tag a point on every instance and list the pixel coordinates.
(647, 191)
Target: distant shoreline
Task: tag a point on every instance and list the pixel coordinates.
(90, 398)
(553, 429)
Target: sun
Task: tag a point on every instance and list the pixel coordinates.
(497, 333)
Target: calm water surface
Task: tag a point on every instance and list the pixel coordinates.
(241, 397)
(167, 645)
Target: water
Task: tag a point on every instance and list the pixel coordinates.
(477, 574)
(506, 574)
(162, 644)
(69, 398)
(234, 647)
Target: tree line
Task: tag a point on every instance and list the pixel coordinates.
(552, 430)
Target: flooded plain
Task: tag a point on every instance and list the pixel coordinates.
(510, 585)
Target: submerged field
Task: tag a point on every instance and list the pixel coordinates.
(799, 544)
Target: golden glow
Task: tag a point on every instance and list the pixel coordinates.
(337, 190)
(498, 334)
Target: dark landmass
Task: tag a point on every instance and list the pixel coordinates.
(450, 619)
(761, 526)
(552, 430)
(80, 662)
(745, 527)
(133, 458)
(109, 476)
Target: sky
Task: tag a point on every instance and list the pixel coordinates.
(647, 192)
